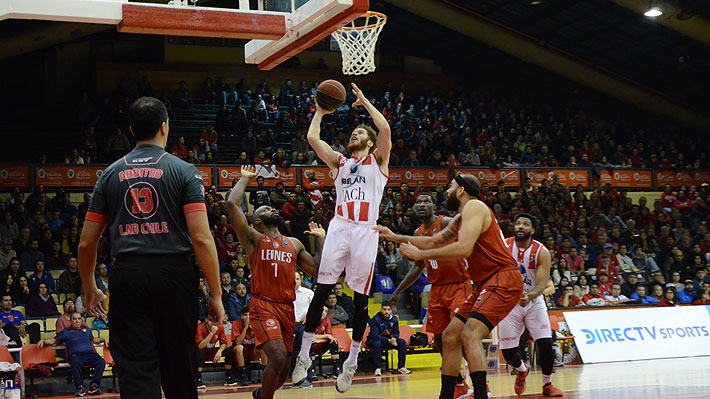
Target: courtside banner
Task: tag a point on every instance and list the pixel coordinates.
(625, 178)
(510, 177)
(206, 173)
(641, 333)
(68, 176)
(271, 175)
(566, 177)
(14, 176)
(412, 176)
(323, 174)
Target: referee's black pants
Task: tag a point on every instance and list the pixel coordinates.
(153, 324)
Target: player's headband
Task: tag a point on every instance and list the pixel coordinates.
(468, 187)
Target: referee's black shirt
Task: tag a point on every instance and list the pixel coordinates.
(143, 197)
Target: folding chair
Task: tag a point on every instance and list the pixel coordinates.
(31, 356)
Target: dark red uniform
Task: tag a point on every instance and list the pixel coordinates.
(273, 273)
(450, 285)
(249, 342)
(496, 275)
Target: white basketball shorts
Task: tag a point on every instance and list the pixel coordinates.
(349, 247)
(533, 316)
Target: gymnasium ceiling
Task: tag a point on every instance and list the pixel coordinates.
(605, 33)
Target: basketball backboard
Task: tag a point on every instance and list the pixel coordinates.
(279, 29)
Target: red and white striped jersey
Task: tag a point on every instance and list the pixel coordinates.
(359, 185)
(527, 261)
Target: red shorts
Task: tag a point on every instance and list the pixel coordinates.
(272, 320)
(495, 298)
(445, 300)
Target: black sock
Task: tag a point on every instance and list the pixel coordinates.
(478, 380)
(459, 378)
(448, 386)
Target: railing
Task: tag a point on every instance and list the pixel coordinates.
(86, 176)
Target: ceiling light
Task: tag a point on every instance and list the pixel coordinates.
(535, 2)
(653, 12)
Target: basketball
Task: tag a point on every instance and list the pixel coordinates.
(330, 94)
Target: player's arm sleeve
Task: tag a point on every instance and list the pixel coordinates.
(194, 192)
(98, 207)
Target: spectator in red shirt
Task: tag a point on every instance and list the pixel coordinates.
(669, 298)
(228, 249)
(222, 228)
(683, 203)
(180, 148)
(420, 189)
(290, 206)
(594, 293)
(704, 299)
(210, 136)
(568, 299)
(667, 198)
(608, 261)
(604, 282)
(244, 346)
(211, 344)
(407, 197)
(324, 341)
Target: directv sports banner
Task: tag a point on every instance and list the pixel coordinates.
(641, 333)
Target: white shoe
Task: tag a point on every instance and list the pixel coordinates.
(378, 372)
(300, 371)
(404, 370)
(345, 379)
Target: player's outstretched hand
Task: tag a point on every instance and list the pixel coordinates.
(315, 230)
(248, 171)
(323, 111)
(410, 251)
(385, 232)
(361, 99)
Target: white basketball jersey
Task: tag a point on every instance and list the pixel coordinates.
(527, 262)
(359, 185)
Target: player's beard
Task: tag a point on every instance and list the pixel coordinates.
(452, 203)
(272, 221)
(357, 146)
(522, 238)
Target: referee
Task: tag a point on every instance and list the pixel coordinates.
(150, 200)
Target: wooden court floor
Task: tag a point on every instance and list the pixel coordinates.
(686, 378)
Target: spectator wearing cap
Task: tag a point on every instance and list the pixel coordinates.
(686, 296)
(612, 265)
(640, 295)
(6, 254)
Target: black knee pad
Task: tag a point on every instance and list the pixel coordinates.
(360, 316)
(547, 357)
(511, 356)
(315, 309)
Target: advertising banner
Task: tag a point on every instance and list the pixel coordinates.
(641, 333)
(323, 174)
(206, 173)
(511, 177)
(68, 176)
(566, 177)
(625, 178)
(412, 176)
(271, 174)
(677, 179)
(14, 176)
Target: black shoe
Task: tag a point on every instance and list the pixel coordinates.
(80, 391)
(242, 380)
(256, 394)
(200, 384)
(229, 380)
(94, 390)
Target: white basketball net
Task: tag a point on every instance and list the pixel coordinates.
(357, 43)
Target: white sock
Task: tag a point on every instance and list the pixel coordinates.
(352, 356)
(546, 379)
(522, 367)
(306, 345)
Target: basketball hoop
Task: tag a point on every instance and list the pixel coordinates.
(357, 43)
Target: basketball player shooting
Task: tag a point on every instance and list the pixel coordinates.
(274, 259)
(351, 243)
(479, 240)
(531, 312)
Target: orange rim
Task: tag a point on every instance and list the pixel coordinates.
(382, 19)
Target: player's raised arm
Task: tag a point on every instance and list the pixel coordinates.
(306, 262)
(248, 237)
(384, 134)
(324, 151)
(439, 239)
(473, 218)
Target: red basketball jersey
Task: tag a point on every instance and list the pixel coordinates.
(443, 271)
(490, 254)
(273, 270)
